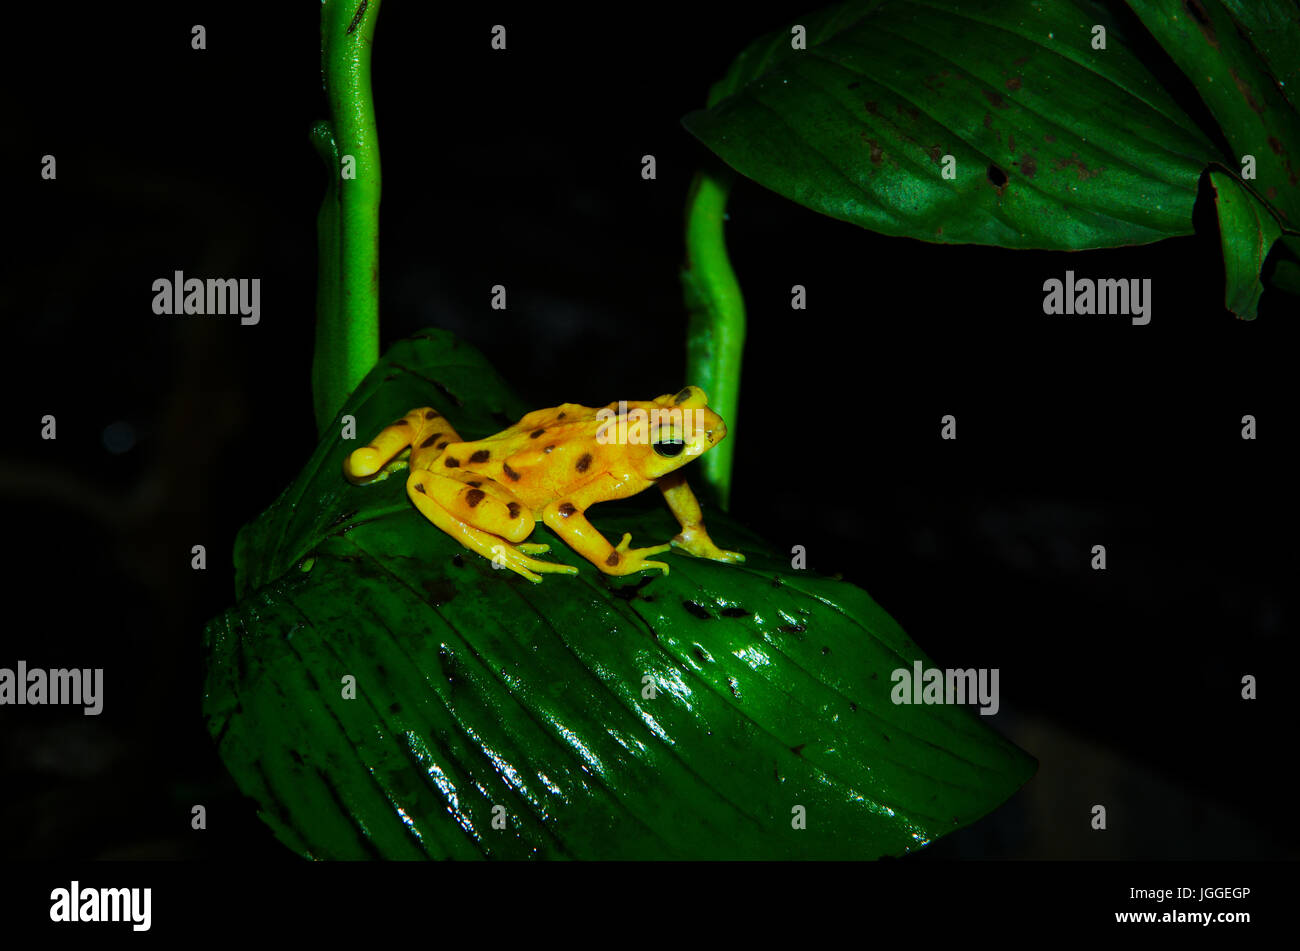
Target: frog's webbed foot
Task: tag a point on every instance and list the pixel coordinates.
(567, 520)
(515, 557)
(694, 540)
(623, 560)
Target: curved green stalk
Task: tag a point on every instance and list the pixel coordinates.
(715, 338)
(347, 292)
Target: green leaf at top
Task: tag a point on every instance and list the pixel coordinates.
(685, 716)
(1218, 54)
(1247, 231)
(1057, 145)
(1273, 29)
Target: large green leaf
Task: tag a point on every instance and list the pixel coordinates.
(1057, 145)
(475, 689)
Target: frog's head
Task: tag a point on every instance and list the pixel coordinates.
(682, 427)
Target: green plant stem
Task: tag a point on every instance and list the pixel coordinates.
(715, 338)
(347, 302)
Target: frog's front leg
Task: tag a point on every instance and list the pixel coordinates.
(694, 538)
(484, 517)
(565, 517)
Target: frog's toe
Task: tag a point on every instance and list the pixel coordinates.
(703, 547)
(624, 547)
(515, 557)
(533, 548)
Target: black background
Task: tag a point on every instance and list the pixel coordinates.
(523, 168)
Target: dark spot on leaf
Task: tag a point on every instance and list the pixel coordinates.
(935, 153)
(1244, 89)
(394, 707)
(697, 609)
(997, 178)
(343, 517)
(700, 655)
(438, 592)
(877, 154)
(1275, 145)
(798, 750)
(994, 98)
(1028, 167)
(481, 455)
(886, 736)
(735, 612)
(825, 650)
(1202, 20)
(457, 560)
(1013, 83)
(1084, 172)
(853, 707)
(1048, 137)
(629, 591)
(792, 628)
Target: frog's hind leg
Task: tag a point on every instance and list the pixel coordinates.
(421, 430)
(450, 503)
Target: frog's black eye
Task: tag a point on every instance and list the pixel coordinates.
(669, 449)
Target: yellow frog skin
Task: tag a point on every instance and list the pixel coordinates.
(552, 466)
